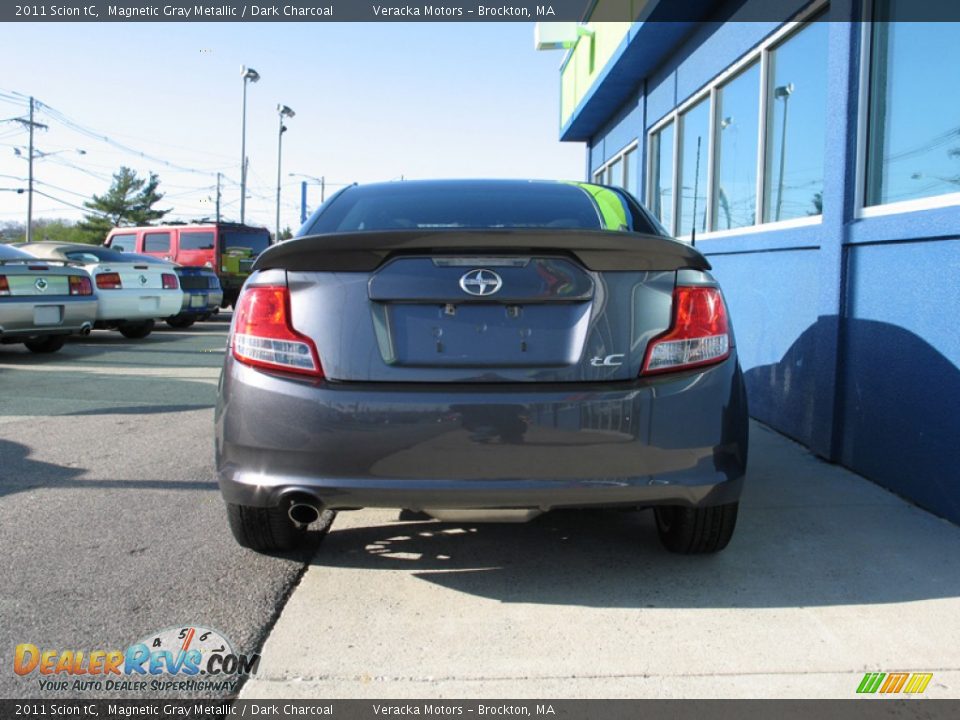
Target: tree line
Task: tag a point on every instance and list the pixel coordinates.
(130, 200)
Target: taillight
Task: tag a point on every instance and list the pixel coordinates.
(264, 337)
(4, 285)
(109, 281)
(80, 285)
(170, 282)
(699, 334)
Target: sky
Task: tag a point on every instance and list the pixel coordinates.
(373, 102)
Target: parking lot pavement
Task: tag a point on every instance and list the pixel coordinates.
(110, 520)
(828, 577)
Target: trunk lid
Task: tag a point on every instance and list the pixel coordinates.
(506, 307)
(137, 275)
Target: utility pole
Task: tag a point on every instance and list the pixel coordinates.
(218, 197)
(30, 152)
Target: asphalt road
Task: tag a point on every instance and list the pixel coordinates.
(111, 523)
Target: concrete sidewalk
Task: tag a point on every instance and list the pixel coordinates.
(828, 577)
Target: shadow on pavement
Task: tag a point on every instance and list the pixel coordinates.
(809, 534)
(21, 473)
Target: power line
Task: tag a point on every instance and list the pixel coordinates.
(70, 204)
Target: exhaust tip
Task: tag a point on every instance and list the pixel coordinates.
(85, 329)
(303, 513)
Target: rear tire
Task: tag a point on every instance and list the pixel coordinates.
(270, 529)
(696, 530)
(137, 331)
(47, 344)
(181, 322)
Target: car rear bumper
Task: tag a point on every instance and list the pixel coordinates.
(136, 305)
(19, 318)
(670, 440)
(200, 302)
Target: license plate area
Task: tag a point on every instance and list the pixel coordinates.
(48, 315)
(482, 335)
(149, 303)
(198, 301)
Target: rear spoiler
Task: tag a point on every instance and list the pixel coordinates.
(41, 261)
(366, 250)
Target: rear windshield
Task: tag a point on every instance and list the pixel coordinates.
(256, 242)
(411, 206)
(96, 254)
(12, 253)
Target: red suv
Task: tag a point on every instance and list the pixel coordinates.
(228, 248)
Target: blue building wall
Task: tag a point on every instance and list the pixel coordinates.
(845, 328)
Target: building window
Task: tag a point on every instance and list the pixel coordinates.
(620, 170)
(913, 135)
(660, 198)
(694, 149)
(751, 144)
(796, 112)
(738, 127)
(615, 173)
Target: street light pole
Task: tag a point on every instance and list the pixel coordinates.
(253, 76)
(783, 92)
(282, 112)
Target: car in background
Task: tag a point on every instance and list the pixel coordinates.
(201, 291)
(131, 294)
(202, 296)
(229, 249)
(502, 348)
(42, 302)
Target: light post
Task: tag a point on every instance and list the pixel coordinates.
(253, 76)
(782, 92)
(282, 112)
(321, 181)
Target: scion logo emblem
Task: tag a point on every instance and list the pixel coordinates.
(143, 279)
(41, 284)
(480, 282)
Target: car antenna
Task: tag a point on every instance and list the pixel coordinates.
(696, 184)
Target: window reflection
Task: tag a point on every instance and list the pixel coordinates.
(738, 126)
(914, 120)
(661, 194)
(694, 148)
(796, 108)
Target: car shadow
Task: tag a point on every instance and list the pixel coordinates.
(809, 534)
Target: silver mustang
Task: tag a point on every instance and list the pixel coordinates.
(43, 301)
